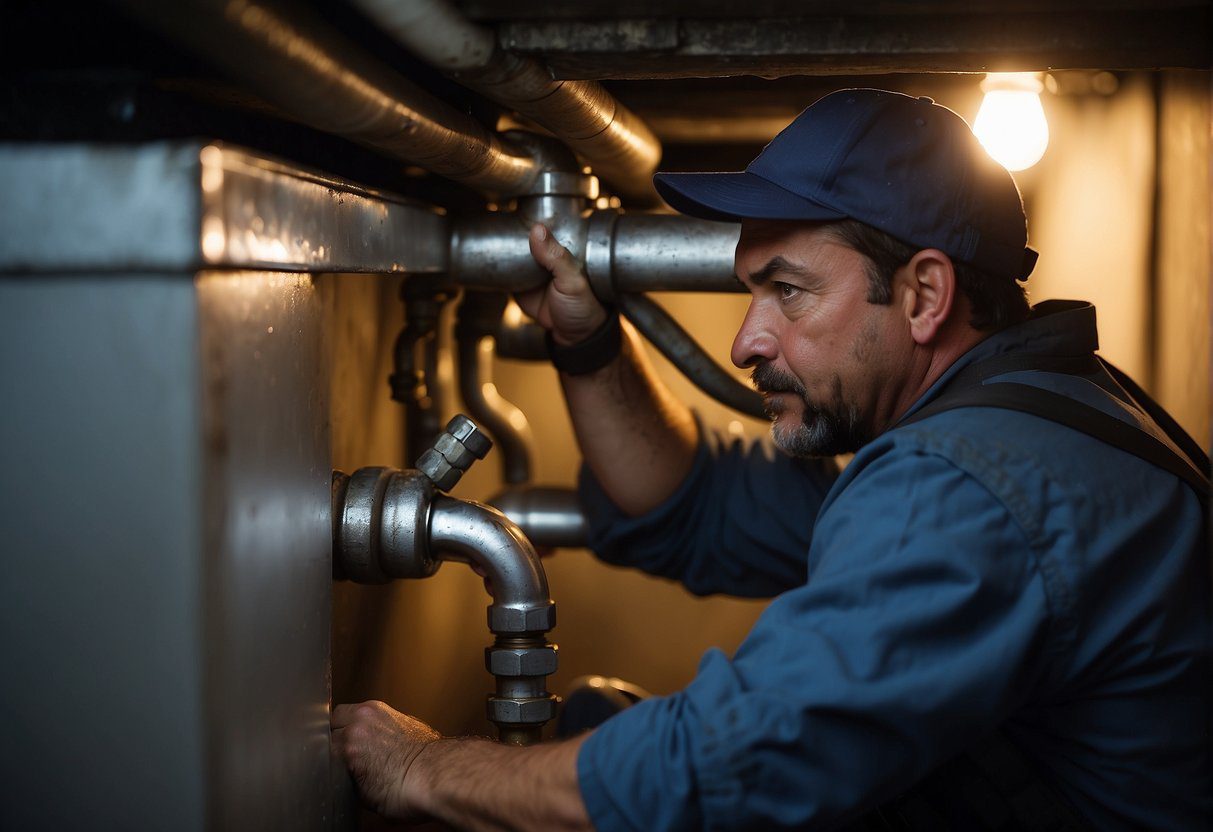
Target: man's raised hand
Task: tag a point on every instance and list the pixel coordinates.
(566, 306)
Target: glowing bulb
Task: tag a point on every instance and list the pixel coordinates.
(1011, 123)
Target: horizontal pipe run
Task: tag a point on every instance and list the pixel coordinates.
(615, 141)
(673, 253)
(683, 352)
(547, 516)
(312, 74)
(623, 254)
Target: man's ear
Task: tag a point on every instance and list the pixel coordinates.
(929, 283)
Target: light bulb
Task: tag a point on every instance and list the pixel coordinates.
(1011, 123)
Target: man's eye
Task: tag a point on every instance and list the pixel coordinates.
(787, 291)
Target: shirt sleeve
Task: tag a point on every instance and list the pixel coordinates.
(740, 523)
(920, 630)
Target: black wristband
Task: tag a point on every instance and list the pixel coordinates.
(595, 352)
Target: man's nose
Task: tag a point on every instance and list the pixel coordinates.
(754, 341)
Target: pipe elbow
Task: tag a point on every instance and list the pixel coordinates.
(475, 533)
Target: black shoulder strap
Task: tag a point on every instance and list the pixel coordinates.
(968, 390)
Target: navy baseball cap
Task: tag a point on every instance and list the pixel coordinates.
(906, 166)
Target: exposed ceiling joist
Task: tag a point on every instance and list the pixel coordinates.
(1161, 36)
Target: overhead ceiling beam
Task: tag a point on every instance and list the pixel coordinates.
(663, 47)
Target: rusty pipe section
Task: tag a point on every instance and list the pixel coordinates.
(311, 73)
(615, 141)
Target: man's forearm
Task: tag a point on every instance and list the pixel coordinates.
(477, 784)
(638, 440)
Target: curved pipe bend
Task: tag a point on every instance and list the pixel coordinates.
(471, 532)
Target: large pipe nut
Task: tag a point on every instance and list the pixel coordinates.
(522, 711)
(469, 435)
(435, 466)
(521, 661)
(454, 451)
(522, 620)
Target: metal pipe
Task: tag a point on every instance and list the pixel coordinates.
(624, 253)
(396, 524)
(681, 349)
(670, 253)
(520, 659)
(615, 141)
(314, 75)
(479, 314)
(547, 516)
(471, 532)
(518, 338)
(415, 379)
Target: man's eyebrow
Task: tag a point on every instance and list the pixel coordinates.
(777, 265)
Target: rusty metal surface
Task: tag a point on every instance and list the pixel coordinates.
(1142, 36)
(179, 206)
(489, 10)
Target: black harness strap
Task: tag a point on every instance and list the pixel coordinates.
(968, 390)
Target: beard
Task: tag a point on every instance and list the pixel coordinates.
(825, 429)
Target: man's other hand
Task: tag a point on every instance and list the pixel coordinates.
(380, 746)
(566, 306)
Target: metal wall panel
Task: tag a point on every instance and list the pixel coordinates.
(267, 556)
(100, 604)
(164, 433)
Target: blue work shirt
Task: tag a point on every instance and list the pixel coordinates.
(980, 569)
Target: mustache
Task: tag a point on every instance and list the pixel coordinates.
(767, 379)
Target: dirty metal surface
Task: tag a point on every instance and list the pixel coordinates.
(181, 206)
(647, 46)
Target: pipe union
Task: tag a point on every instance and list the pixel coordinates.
(522, 620)
(521, 711)
(520, 661)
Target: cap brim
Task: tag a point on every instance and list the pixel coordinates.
(732, 197)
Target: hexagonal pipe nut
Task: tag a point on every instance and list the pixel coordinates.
(470, 434)
(454, 451)
(520, 661)
(441, 473)
(522, 711)
(515, 620)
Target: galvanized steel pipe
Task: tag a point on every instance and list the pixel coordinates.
(624, 253)
(615, 141)
(547, 516)
(311, 73)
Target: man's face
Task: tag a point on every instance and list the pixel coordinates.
(825, 359)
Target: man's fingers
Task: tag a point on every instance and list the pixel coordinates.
(545, 249)
(549, 253)
(345, 715)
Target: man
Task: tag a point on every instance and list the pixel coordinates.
(989, 619)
